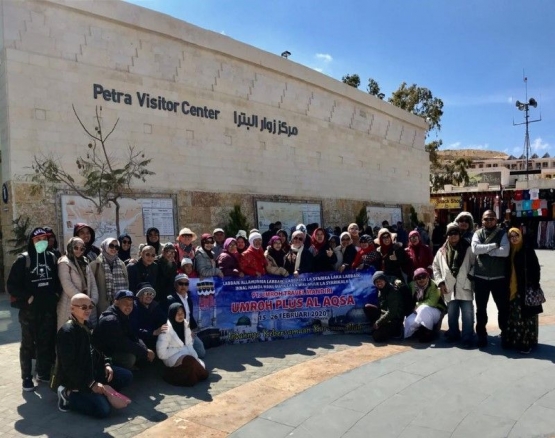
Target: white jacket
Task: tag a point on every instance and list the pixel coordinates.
(461, 285)
(169, 347)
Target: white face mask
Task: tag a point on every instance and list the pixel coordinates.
(41, 246)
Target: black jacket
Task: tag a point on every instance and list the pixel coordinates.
(39, 280)
(79, 364)
(527, 268)
(145, 320)
(321, 261)
(173, 298)
(140, 273)
(114, 333)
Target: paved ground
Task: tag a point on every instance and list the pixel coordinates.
(322, 386)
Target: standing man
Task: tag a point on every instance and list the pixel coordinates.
(82, 370)
(491, 247)
(219, 239)
(33, 283)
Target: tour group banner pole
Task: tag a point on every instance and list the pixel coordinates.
(237, 310)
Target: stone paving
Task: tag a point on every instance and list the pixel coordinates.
(234, 368)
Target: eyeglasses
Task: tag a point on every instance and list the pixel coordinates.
(78, 248)
(126, 242)
(113, 246)
(489, 219)
(420, 277)
(183, 283)
(149, 254)
(297, 238)
(84, 306)
(514, 236)
(186, 235)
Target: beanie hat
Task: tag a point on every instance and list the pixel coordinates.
(124, 294)
(180, 277)
(143, 288)
(186, 261)
(365, 238)
(421, 271)
(168, 247)
(378, 275)
(453, 226)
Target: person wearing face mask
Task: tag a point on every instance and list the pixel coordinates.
(35, 288)
(299, 258)
(76, 277)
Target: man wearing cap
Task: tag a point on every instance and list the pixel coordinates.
(82, 371)
(148, 319)
(34, 286)
(181, 295)
(219, 239)
(115, 337)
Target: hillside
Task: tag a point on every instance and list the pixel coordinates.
(473, 154)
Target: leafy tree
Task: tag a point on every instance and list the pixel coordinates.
(104, 177)
(237, 221)
(374, 89)
(419, 101)
(352, 80)
(361, 219)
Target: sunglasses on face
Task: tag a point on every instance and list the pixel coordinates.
(186, 235)
(84, 306)
(297, 238)
(78, 248)
(489, 219)
(126, 242)
(113, 246)
(183, 283)
(420, 277)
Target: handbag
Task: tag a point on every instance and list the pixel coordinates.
(534, 296)
(115, 398)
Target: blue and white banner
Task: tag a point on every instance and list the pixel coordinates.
(249, 309)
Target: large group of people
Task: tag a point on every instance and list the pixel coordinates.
(93, 315)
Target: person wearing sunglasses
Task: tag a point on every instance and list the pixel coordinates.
(148, 318)
(181, 295)
(82, 371)
(144, 270)
(394, 260)
(229, 260)
(451, 267)
(299, 258)
(124, 252)
(34, 289)
(429, 307)
(205, 260)
(348, 251)
(110, 273)
(153, 239)
(184, 245)
(465, 221)
(76, 277)
(88, 235)
(490, 246)
(275, 256)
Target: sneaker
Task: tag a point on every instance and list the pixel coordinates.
(45, 379)
(63, 402)
(28, 384)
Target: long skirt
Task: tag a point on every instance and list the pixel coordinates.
(522, 332)
(188, 373)
(425, 316)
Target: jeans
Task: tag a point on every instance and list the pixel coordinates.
(97, 405)
(466, 309)
(38, 340)
(199, 347)
(499, 289)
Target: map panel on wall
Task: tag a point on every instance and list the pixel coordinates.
(376, 215)
(289, 213)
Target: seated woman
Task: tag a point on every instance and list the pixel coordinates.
(324, 257)
(143, 270)
(428, 309)
(76, 277)
(299, 258)
(175, 348)
(110, 274)
(253, 262)
(367, 256)
(348, 252)
(275, 257)
(420, 255)
(228, 260)
(205, 262)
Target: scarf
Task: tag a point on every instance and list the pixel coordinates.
(104, 247)
(455, 255)
(317, 246)
(115, 278)
(180, 328)
(419, 291)
(277, 255)
(515, 248)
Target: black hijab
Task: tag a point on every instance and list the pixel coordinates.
(155, 245)
(179, 327)
(124, 255)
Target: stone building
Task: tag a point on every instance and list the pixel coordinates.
(224, 122)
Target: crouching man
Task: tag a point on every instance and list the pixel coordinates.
(81, 369)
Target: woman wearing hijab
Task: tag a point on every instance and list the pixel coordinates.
(367, 256)
(175, 348)
(205, 262)
(348, 251)
(86, 233)
(394, 260)
(144, 270)
(284, 237)
(167, 270)
(153, 239)
(451, 267)
(110, 273)
(253, 262)
(420, 255)
(242, 241)
(522, 327)
(428, 307)
(275, 257)
(299, 258)
(324, 257)
(76, 277)
(228, 260)
(124, 252)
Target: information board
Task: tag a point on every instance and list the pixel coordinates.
(289, 214)
(376, 215)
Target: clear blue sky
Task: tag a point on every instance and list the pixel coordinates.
(470, 53)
